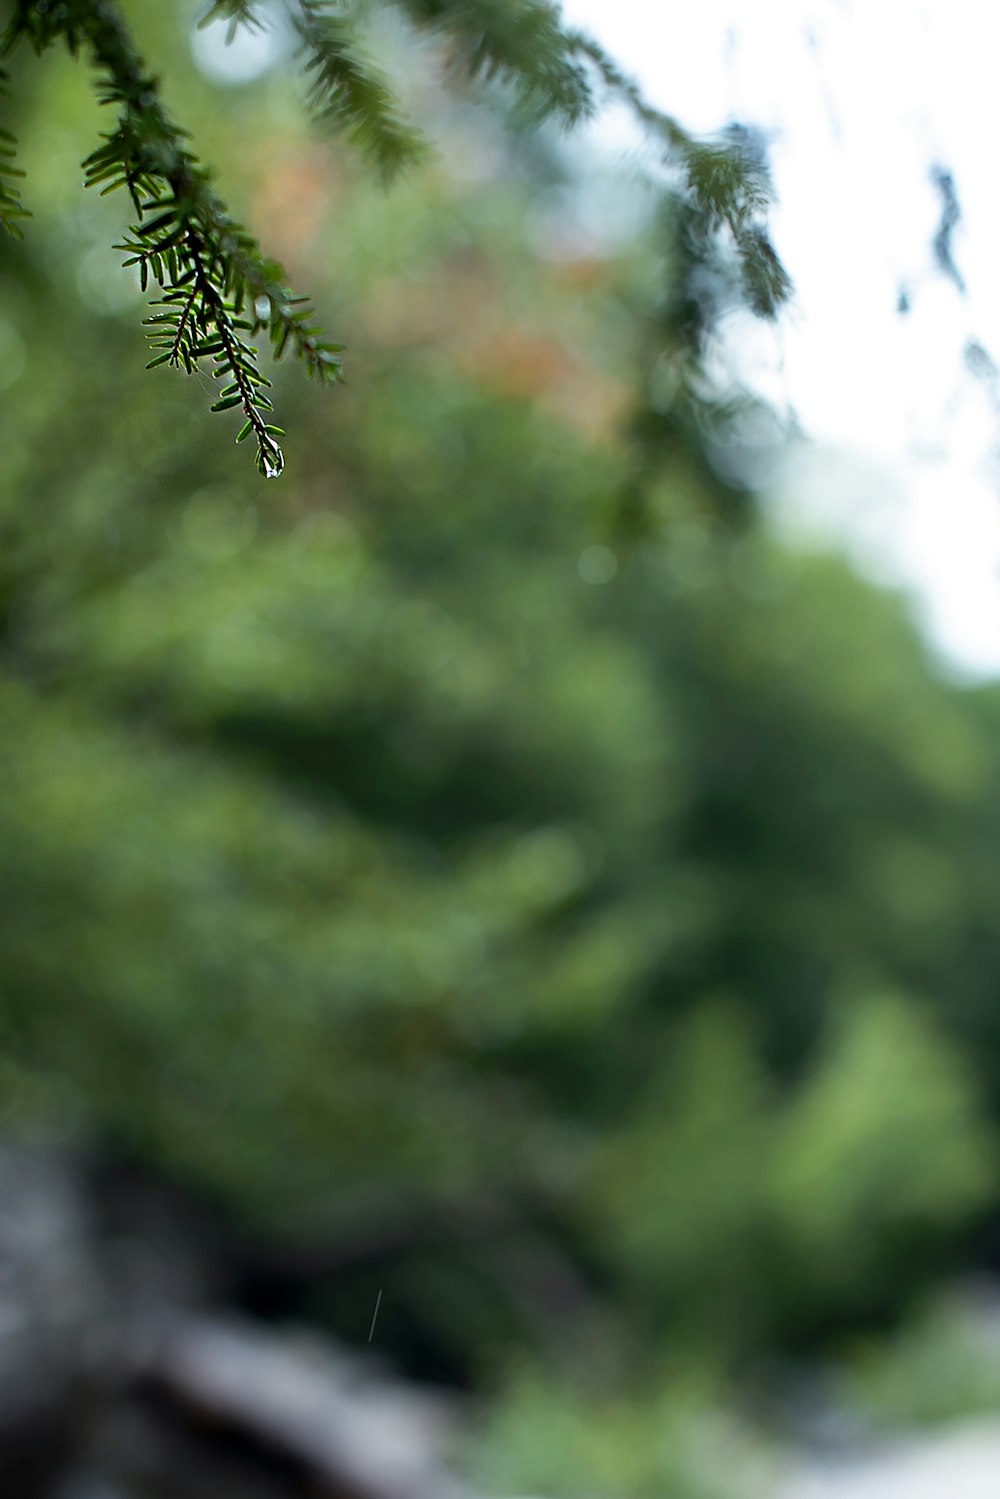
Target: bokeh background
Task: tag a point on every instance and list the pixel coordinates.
(491, 869)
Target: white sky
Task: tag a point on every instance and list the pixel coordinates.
(860, 98)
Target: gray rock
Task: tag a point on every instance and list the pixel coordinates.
(119, 1379)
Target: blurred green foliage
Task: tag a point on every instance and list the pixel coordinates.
(940, 1367)
(673, 1440)
(612, 915)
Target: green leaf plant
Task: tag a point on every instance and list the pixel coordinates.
(216, 290)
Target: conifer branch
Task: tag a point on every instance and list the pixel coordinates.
(184, 238)
(237, 13)
(519, 43)
(11, 207)
(522, 43)
(348, 93)
(726, 180)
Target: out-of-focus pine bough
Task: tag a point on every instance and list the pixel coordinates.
(719, 430)
(217, 289)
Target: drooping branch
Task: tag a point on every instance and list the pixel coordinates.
(519, 43)
(347, 93)
(726, 181)
(11, 207)
(216, 282)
